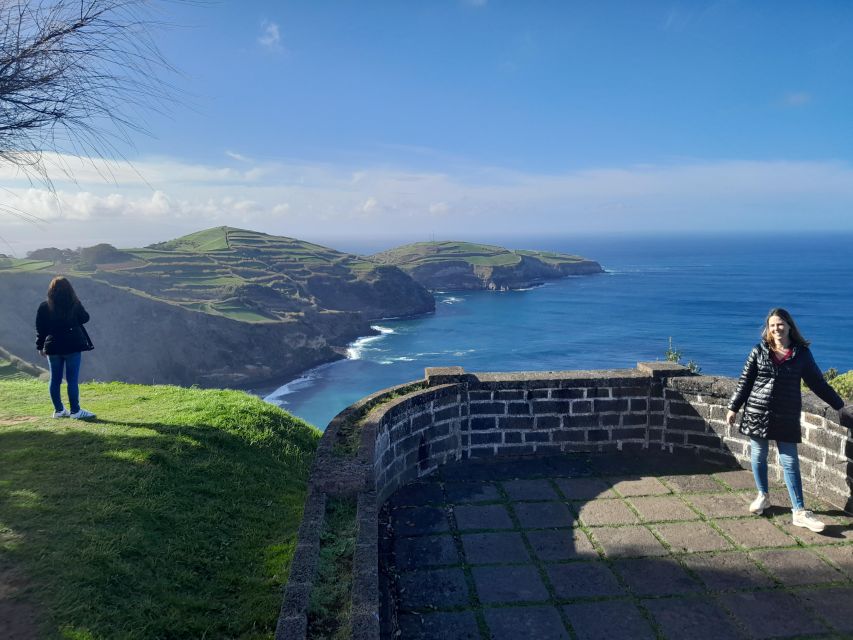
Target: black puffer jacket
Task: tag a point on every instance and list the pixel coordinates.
(61, 336)
(774, 389)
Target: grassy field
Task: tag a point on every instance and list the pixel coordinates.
(421, 253)
(172, 515)
(23, 264)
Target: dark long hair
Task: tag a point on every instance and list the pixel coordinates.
(61, 299)
(794, 333)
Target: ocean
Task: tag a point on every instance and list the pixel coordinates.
(710, 294)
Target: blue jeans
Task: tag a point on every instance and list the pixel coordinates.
(71, 363)
(790, 462)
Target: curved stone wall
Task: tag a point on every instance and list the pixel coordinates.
(400, 434)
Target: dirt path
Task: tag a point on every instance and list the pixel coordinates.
(18, 617)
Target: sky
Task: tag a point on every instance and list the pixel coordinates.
(398, 121)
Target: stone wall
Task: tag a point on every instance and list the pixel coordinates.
(408, 431)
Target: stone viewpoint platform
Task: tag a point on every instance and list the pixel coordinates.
(575, 504)
(607, 547)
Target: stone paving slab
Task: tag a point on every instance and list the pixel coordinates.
(656, 577)
(693, 618)
(583, 580)
(834, 533)
(723, 571)
(433, 588)
(797, 567)
(719, 505)
(648, 486)
(584, 488)
(623, 621)
(419, 521)
(418, 494)
(691, 537)
(514, 623)
(445, 625)
(539, 515)
(739, 479)
(462, 492)
(841, 557)
(662, 508)
(604, 512)
(561, 545)
(771, 614)
(530, 490)
(833, 605)
(495, 548)
(509, 584)
(546, 548)
(491, 516)
(756, 532)
(425, 551)
(631, 541)
(693, 484)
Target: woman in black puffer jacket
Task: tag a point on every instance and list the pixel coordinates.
(60, 338)
(770, 387)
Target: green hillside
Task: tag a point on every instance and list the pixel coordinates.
(449, 265)
(422, 253)
(174, 515)
(243, 275)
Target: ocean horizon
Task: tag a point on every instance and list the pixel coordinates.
(708, 293)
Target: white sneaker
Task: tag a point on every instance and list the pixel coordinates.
(61, 414)
(805, 518)
(83, 415)
(759, 504)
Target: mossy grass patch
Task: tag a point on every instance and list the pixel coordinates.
(174, 514)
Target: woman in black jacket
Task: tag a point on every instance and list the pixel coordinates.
(770, 387)
(60, 338)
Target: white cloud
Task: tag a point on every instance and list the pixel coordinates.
(797, 99)
(370, 205)
(439, 208)
(270, 38)
(239, 157)
(300, 199)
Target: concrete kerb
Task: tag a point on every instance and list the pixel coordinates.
(658, 405)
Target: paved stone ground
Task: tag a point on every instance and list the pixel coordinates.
(613, 547)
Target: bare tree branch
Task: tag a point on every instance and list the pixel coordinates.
(75, 76)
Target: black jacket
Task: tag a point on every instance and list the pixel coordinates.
(59, 337)
(775, 390)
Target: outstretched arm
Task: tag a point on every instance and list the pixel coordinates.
(816, 382)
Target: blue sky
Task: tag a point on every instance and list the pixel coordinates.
(330, 120)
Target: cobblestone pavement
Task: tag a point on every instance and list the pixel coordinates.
(589, 547)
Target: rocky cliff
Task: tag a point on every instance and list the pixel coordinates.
(139, 339)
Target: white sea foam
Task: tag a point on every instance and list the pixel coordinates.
(356, 349)
(304, 381)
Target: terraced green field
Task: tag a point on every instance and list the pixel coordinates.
(23, 264)
(218, 271)
(422, 253)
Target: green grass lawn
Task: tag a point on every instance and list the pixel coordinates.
(174, 515)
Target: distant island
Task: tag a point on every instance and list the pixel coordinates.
(227, 307)
(454, 266)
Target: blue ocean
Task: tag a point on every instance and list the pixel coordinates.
(710, 294)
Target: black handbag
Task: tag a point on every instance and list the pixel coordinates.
(80, 338)
(755, 423)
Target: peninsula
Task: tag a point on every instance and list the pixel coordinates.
(457, 266)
